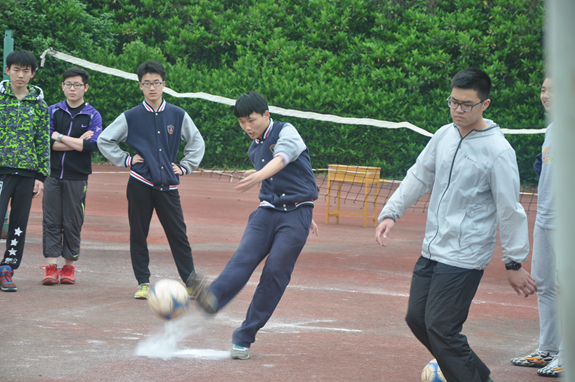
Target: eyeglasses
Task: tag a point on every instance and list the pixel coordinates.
(465, 107)
(148, 84)
(77, 85)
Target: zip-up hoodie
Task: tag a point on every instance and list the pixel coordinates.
(474, 184)
(24, 133)
(74, 165)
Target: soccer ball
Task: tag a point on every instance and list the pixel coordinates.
(432, 373)
(168, 299)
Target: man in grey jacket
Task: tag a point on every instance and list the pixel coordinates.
(471, 171)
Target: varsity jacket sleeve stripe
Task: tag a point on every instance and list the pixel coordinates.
(195, 147)
(116, 132)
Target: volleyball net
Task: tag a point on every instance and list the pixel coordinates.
(359, 190)
(358, 185)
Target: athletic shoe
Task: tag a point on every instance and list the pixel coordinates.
(553, 368)
(191, 293)
(6, 283)
(143, 291)
(535, 359)
(200, 291)
(192, 284)
(67, 274)
(239, 352)
(52, 275)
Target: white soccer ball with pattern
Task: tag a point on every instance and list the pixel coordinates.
(432, 373)
(168, 299)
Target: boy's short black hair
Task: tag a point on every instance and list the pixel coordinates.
(152, 66)
(75, 71)
(249, 102)
(472, 78)
(22, 58)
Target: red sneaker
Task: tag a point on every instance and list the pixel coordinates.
(67, 275)
(6, 283)
(52, 275)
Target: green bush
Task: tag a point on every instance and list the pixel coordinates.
(384, 59)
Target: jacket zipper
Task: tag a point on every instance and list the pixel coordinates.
(69, 132)
(443, 195)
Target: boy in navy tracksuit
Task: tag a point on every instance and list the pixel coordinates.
(75, 126)
(278, 229)
(154, 129)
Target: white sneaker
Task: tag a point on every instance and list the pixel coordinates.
(240, 352)
(535, 359)
(553, 369)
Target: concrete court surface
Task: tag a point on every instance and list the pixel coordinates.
(341, 318)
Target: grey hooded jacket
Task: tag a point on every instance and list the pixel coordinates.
(474, 184)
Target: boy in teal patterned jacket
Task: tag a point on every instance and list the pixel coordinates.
(24, 155)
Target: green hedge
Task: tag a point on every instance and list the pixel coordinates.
(384, 59)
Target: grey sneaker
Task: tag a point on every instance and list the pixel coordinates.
(535, 359)
(239, 352)
(553, 368)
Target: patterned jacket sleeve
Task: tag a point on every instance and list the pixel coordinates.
(42, 141)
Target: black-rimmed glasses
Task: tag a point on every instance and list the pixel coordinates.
(465, 107)
(76, 85)
(155, 84)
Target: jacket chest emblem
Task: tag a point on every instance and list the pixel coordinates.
(272, 148)
(170, 129)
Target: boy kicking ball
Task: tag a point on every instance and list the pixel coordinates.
(278, 228)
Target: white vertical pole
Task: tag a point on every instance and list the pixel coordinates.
(561, 62)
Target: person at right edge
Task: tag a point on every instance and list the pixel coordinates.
(471, 171)
(543, 261)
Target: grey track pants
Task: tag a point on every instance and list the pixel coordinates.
(63, 204)
(544, 271)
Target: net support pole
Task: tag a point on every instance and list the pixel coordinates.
(8, 48)
(561, 63)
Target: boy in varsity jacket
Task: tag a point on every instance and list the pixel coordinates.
(24, 155)
(154, 129)
(277, 229)
(75, 126)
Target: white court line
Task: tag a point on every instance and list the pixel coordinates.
(396, 294)
(279, 325)
(201, 353)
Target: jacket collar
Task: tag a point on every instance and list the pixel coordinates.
(266, 133)
(151, 109)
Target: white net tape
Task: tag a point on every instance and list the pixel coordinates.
(273, 109)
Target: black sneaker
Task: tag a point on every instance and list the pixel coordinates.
(199, 289)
